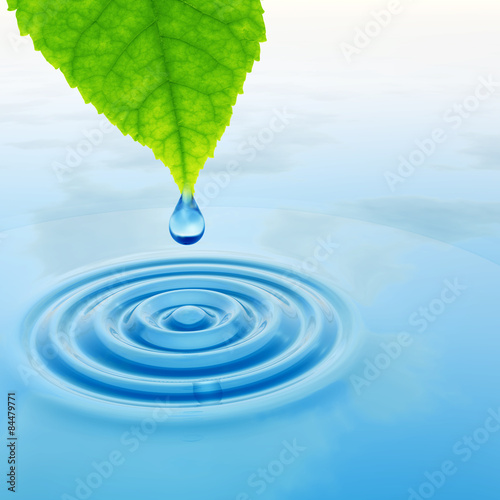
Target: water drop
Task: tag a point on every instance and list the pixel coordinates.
(189, 318)
(187, 224)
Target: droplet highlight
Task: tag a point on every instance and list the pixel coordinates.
(187, 224)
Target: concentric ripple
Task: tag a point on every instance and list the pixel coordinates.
(194, 332)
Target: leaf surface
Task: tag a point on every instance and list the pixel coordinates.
(166, 72)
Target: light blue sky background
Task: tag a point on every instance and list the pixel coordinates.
(352, 121)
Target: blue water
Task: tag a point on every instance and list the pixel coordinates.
(178, 328)
(274, 383)
(187, 224)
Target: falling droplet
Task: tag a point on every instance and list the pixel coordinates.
(187, 224)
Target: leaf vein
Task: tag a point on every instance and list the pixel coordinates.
(153, 6)
(203, 13)
(201, 49)
(92, 23)
(115, 62)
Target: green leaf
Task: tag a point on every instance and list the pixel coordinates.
(167, 72)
